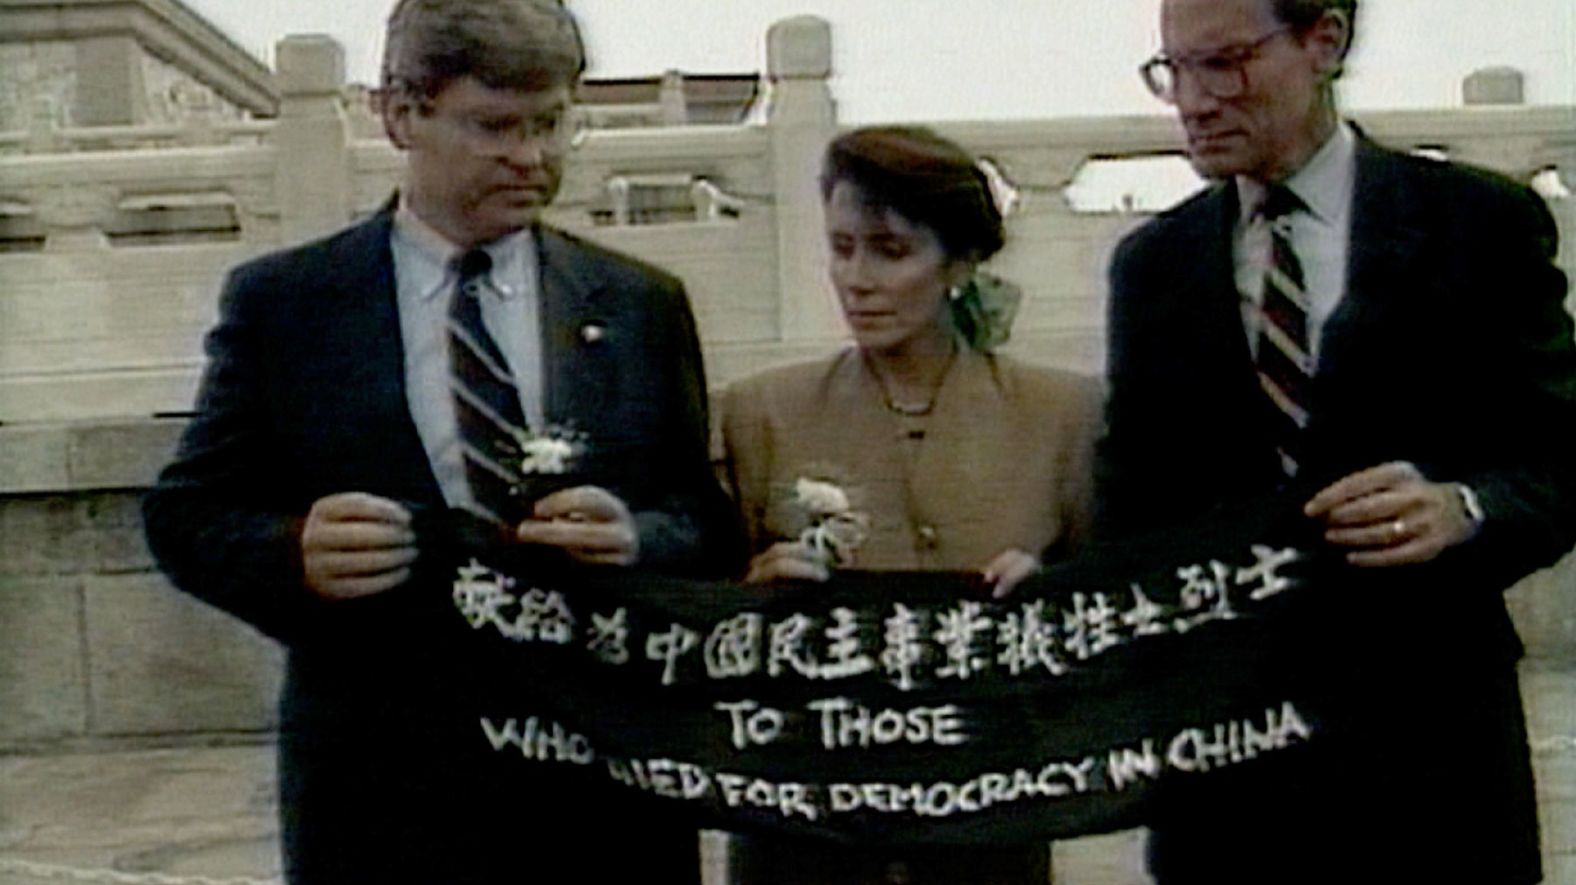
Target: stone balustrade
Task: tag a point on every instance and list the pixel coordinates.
(103, 223)
(113, 242)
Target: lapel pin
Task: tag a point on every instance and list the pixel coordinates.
(591, 333)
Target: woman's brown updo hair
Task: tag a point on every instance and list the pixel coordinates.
(924, 178)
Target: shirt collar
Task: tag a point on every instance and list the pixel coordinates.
(1324, 183)
(437, 254)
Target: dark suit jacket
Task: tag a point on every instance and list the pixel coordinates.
(1451, 349)
(303, 397)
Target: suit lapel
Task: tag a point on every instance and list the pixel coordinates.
(1385, 240)
(1218, 275)
(1215, 305)
(1225, 376)
(363, 277)
(574, 352)
(366, 335)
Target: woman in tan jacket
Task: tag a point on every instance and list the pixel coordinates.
(953, 457)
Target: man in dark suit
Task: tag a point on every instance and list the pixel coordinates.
(359, 383)
(1381, 340)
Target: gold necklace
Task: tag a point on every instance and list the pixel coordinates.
(912, 409)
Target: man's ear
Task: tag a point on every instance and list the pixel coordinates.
(1330, 38)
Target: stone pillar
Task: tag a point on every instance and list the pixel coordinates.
(43, 126)
(802, 118)
(198, 118)
(312, 138)
(1489, 86)
(618, 194)
(670, 98)
(1493, 144)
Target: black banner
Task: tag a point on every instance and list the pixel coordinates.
(904, 707)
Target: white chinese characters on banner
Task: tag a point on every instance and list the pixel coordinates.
(914, 646)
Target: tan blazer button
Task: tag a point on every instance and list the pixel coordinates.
(928, 537)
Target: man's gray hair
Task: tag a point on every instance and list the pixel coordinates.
(506, 44)
(1300, 15)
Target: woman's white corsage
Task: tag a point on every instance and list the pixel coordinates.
(836, 530)
(550, 451)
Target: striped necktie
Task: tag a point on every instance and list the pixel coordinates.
(1284, 360)
(486, 401)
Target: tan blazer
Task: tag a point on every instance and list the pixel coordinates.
(1002, 461)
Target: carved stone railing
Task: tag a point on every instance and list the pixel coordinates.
(202, 125)
(137, 224)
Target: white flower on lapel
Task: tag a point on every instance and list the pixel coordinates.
(553, 450)
(546, 456)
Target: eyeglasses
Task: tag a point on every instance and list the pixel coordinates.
(555, 131)
(1221, 74)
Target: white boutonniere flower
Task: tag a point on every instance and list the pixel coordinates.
(836, 531)
(550, 451)
(543, 455)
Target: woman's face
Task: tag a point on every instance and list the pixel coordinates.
(890, 273)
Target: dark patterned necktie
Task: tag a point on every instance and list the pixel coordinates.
(1284, 360)
(486, 401)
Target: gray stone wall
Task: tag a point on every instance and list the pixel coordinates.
(32, 71)
(101, 81)
(95, 647)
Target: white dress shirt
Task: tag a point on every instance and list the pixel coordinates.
(1319, 235)
(424, 279)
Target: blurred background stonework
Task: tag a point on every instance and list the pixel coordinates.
(142, 153)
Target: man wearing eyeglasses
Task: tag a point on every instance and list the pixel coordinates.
(398, 369)
(1379, 340)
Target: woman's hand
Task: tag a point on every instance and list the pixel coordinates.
(1008, 569)
(787, 561)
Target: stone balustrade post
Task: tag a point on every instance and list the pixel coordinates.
(712, 203)
(43, 126)
(312, 138)
(1492, 86)
(802, 118)
(1523, 156)
(1496, 88)
(674, 106)
(618, 188)
(199, 121)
